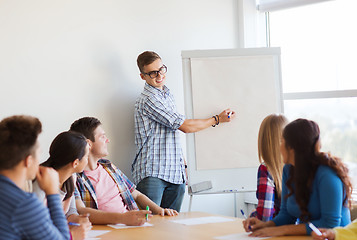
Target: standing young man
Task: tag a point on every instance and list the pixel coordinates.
(159, 165)
(103, 190)
(22, 215)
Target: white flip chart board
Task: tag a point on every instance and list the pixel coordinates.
(245, 80)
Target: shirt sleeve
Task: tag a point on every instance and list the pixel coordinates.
(328, 184)
(156, 110)
(39, 192)
(347, 233)
(130, 185)
(35, 221)
(76, 193)
(283, 217)
(72, 207)
(265, 195)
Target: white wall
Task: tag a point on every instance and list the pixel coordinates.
(64, 59)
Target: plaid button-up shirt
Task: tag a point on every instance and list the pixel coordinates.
(85, 191)
(158, 148)
(268, 200)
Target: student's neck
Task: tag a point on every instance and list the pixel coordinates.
(92, 162)
(63, 175)
(16, 176)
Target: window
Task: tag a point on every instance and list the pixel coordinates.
(318, 57)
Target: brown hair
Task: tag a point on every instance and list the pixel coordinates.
(66, 148)
(302, 135)
(269, 137)
(146, 58)
(86, 126)
(18, 137)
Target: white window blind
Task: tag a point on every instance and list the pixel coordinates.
(274, 5)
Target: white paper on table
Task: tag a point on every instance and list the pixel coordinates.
(123, 226)
(239, 236)
(92, 234)
(202, 220)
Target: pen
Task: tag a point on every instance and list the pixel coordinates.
(147, 215)
(229, 114)
(74, 224)
(245, 217)
(313, 228)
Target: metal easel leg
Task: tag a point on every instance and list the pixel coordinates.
(235, 204)
(190, 204)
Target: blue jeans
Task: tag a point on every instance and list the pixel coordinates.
(164, 194)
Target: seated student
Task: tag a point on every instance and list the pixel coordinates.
(103, 190)
(22, 215)
(68, 155)
(316, 186)
(271, 167)
(339, 233)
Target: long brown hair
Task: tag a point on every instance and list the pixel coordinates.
(302, 136)
(269, 136)
(66, 148)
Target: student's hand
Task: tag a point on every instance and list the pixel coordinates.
(223, 116)
(252, 224)
(168, 212)
(267, 232)
(326, 234)
(81, 219)
(135, 218)
(80, 232)
(47, 179)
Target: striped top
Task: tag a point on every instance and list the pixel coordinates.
(158, 148)
(23, 216)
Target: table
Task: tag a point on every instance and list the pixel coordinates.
(166, 230)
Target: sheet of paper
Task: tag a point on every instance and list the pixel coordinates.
(202, 220)
(93, 234)
(122, 226)
(239, 236)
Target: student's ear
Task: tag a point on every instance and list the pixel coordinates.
(75, 163)
(28, 162)
(31, 165)
(90, 143)
(142, 76)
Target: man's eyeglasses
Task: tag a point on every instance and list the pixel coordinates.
(154, 74)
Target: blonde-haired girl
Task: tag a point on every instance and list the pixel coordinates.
(271, 167)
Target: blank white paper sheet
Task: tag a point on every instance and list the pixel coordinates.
(239, 236)
(123, 226)
(93, 234)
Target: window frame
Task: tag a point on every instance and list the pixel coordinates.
(305, 95)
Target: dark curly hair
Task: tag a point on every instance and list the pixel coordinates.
(18, 137)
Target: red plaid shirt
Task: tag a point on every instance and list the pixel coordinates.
(268, 201)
